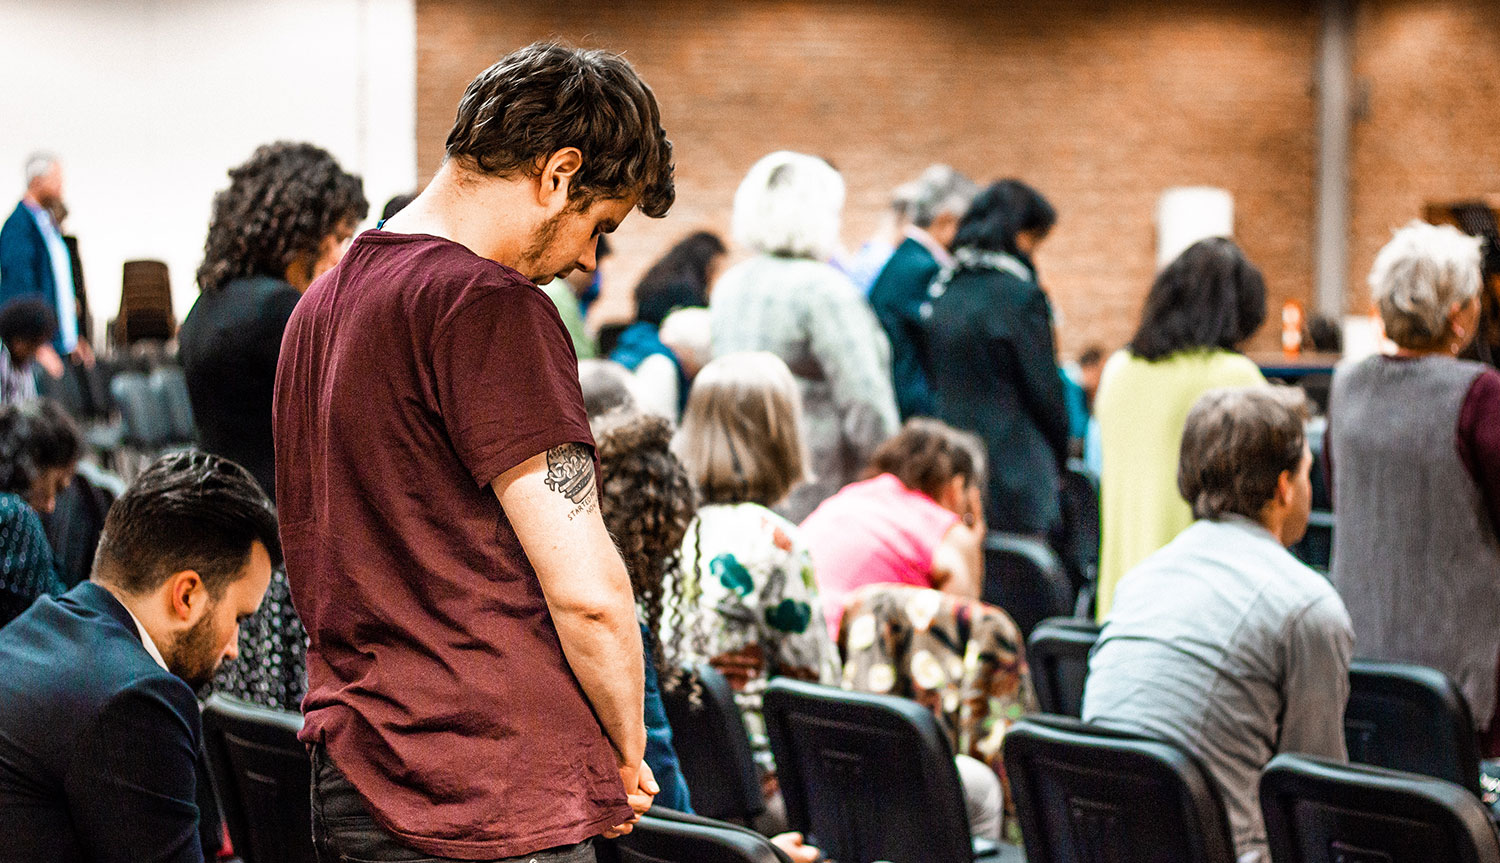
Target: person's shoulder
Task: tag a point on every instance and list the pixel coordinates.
(13, 508)
(13, 220)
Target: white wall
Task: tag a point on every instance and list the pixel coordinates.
(150, 102)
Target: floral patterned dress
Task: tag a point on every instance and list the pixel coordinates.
(962, 659)
(743, 600)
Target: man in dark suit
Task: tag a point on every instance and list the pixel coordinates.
(35, 261)
(99, 728)
(939, 198)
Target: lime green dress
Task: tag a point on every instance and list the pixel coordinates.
(1141, 408)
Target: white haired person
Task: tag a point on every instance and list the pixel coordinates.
(1414, 446)
(789, 301)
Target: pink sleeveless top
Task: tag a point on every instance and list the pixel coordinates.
(876, 531)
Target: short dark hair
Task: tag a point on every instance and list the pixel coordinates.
(1236, 444)
(396, 204)
(548, 96)
(1210, 297)
(280, 203)
(999, 213)
(926, 454)
(27, 318)
(679, 279)
(188, 510)
(35, 436)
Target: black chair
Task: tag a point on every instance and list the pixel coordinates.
(1317, 811)
(169, 388)
(1083, 793)
(263, 780)
(1079, 546)
(665, 836)
(1058, 654)
(146, 425)
(1024, 576)
(868, 777)
(74, 525)
(1410, 718)
(713, 748)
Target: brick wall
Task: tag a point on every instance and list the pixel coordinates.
(1430, 75)
(1101, 105)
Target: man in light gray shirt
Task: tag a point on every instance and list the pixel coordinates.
(1222, 642)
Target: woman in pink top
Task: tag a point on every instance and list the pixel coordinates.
(916, 520)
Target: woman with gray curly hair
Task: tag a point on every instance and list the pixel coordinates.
(790, 301)
(1414, 451)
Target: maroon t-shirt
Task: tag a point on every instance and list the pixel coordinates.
(412, 375)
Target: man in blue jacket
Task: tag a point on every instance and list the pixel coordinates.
(99, 727)
(35, 262)
(939, 198)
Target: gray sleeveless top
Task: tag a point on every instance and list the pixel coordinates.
(1414, 555)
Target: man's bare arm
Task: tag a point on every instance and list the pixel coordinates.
(553, 505)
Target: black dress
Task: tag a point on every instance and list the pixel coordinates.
(990, 356)
(228, 347)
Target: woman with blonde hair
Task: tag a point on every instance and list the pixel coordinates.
(790, 301)
(1413, 444)
(742, 597)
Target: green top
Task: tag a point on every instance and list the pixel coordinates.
(1142, 407)
(563, 297)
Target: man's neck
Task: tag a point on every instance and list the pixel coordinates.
(479, 213)
(136, 607)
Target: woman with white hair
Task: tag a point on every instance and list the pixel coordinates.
(1414, 445)
(789, 301)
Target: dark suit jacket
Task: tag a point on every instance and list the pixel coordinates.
(994, 369)
(25, 265)
(897, 297)
(98, 743)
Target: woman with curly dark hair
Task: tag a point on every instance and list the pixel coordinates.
(39, 448)
(647, 502)
(286, 218)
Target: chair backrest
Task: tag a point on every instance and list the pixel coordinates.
(866, 777)
(1317, 811)
(1087, 794)
(713, 747)
(1411, 718)
(169, 387)
(664, 836)
(146, 424)
(1080, 506)
(263, 779)
(1058, 655)
(1023, 576)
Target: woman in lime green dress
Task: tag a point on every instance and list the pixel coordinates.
(1200, 309)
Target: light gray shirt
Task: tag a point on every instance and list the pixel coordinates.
(1225, 645)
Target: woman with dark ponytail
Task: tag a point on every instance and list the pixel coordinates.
(991, 357)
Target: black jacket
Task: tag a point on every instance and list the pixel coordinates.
(993, 366)
(98, 744)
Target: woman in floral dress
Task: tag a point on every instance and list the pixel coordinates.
(742, 598)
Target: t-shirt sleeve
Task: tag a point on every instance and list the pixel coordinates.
(506, 379)
(1479, 439)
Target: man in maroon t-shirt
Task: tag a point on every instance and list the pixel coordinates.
(475, 668)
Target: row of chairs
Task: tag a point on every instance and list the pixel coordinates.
(1400, 716)
(1089, 794)
(1412, 793)
(864, 777)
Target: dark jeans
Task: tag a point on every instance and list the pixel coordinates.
(344, 831)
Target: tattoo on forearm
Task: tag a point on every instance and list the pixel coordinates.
(570, 473)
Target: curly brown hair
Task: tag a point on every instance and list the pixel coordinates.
(280, 204)
(548, 96)
(647, 501)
